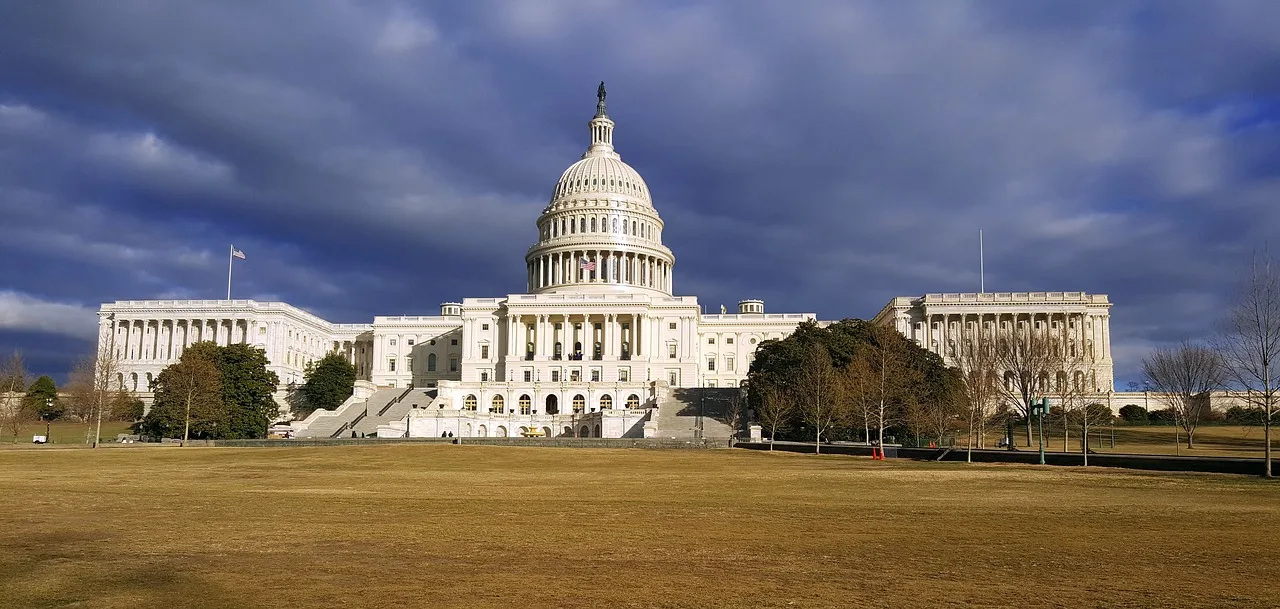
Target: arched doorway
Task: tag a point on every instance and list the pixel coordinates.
(553, 406)
(483, 431)
(597, 432)
(585, 432)
(467, 434)
(579, 404)
(546, 432)
(500, 432)
(568, 432)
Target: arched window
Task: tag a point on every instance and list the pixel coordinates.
(633, 401)
(431, 362)
(615, 225)
(558, 351)
(498, 405)
(469, 403)
(525, 403)
(593, 225)
(579, 404)
(582, 225)
(562, 226)
(633, 228)
(606, 402)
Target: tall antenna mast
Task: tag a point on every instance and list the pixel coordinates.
(982, 276)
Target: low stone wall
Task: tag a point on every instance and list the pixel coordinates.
(1214, 465)
(542, 442)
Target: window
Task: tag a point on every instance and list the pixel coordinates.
(528, 375)
(555, 376)
(728, 341)
(431, 362)
(598, 326)
(673, 377)
(262, 329)
(615, 225)
(671, 326)
(498, 405)
(408, 363)
(431, 342)
(671, 351)
(484, 326)
(409, 342)
(711, 340)
(453, 364)
(606, 402)
(484, 351)
(469, 403)
(624, 374)
(753, 341)
(575, 375)
(593, 225)
(711, 363)
(711, 383)
(391, 364)
(451, 342)
(484, 376)
(728, 363)
(525, 404)
(579, 404)
(393, 342)
(595, 375)
(633, 401)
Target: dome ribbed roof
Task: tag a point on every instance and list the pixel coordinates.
(602, 174)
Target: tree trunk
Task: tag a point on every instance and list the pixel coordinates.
(1084, 438)
(1066, 447)
(1028, 428)
(1266, 437)
(817, 442)
(186, 426)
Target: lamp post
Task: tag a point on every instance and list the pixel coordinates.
(1040, 409)
(48, 407)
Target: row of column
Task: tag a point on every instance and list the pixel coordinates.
(539, 331)
(610, 267)
(169, 337)
(1091, 331)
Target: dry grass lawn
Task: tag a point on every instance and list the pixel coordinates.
(1210, 440)
(472, 526)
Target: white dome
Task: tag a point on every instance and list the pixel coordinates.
(604, 174)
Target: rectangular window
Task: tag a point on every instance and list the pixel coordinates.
(673, 377)
(452, 342)
(728, 341)
(484, 326)
(409, 342)
(392, 384)
(671, 326)
(393, 342)
(408, 363)
(624, 374)
(391, 364)
(575, 375)
(555, 376)
(484, 351)
(528, 375)
(262, 329)
(595, 375)
(453, 364)
(711, 363)
(711, 383)
(711, 340)
(559, 325)
(484, 376)
(728, 363)
(671, 351)
(598, 326)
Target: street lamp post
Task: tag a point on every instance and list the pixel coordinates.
(1040, 410)
(48, 407)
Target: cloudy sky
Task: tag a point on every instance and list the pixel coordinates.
(381, 157)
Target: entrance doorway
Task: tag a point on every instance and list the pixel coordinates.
(553, 406)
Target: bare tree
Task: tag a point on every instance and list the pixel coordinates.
(1250, 344)
(1073, 388)
(854, 381)
(1028, 357)
(774, 408)
(817, 393)
(890, 378)
(979, 384)
(1182, 377)
(13, 383)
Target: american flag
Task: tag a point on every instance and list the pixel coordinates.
(235, 253)
(589, 265)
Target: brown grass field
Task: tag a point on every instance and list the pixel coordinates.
(63, 432)
(1210, 440)
(471, 526)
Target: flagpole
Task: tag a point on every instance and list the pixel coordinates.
(230, 257)
(982, 276)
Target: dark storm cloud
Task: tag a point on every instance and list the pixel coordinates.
(378, 158)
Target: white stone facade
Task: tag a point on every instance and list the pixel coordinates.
(938, 322)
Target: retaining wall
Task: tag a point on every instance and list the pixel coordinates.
(1215, 465)
(544, 442)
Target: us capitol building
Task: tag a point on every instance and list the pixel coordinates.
(597, 346)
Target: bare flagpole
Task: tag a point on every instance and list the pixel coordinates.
(982, 277)
(230, 257)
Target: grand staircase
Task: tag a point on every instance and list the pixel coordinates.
(695, 413)
(361, 416)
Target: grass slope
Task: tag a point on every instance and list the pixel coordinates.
(473, 526)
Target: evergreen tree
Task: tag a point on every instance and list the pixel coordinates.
(328, 383)
(42, 399)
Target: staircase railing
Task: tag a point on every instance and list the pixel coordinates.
(394, 401)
